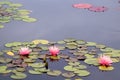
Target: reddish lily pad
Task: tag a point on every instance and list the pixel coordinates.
(98, 8)
(82, 5)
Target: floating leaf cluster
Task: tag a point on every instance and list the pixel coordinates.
(11, 11)
(78, 54)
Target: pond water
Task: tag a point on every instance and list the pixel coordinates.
(57, 20)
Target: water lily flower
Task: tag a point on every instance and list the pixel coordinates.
(105, 60)
(54, 51)
(24, 51)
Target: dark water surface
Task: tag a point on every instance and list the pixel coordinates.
(57, 19)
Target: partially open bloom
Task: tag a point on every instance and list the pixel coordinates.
(24, 51)
(54, 51)
(105, 60)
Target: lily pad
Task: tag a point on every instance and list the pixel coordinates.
(20, 69)
(42, 69)
(37, 65)
(40, 41)
(68, 74)
(18, 76)
(69, 68)
(71, 46)
(55, 57)
(10, 53)
(69, 40)
(74, 63)
(100, 46)
(15, 5)
(81, 42)
(92, 61)
(61, 42)
(78, 79)
(29, 60)
(1, 26)
(34, 72)
(54, 72)
(106, 50)
(80, 67)
(104, 68)
(82, 72)
(1, 53)
(90, 44)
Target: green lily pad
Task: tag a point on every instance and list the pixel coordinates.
(104, 68)
(37, 65)
(5, 2)
(20, 69)
(29, 60)
(44, 48)
(71, 46)
(55, 57)
(69, 40)
(33, 56)
(61, 42)
(90, 44)
(1, 26)
(92, 61)
(106, 50)
(6, 71)
(115, 60)
(81, 42)
(54, 73)
(1, 53)
(24, 12)
(13, 44)
(74, 63)
(3, 68)
(78, 79)
(29, 19)
(100, 46)
(68, 74)
(18, 76)
(34, 72)
(82, 72)
(42, 69)
(15, 5)
(80, 67)
(89, 56)
(61, 47)
(69, 68)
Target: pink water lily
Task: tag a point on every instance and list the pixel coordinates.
(105, 60)
(24, 51)
(54, 51)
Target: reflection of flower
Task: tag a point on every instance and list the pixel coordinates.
(105, 60)
(24, 51)
(54, 50)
